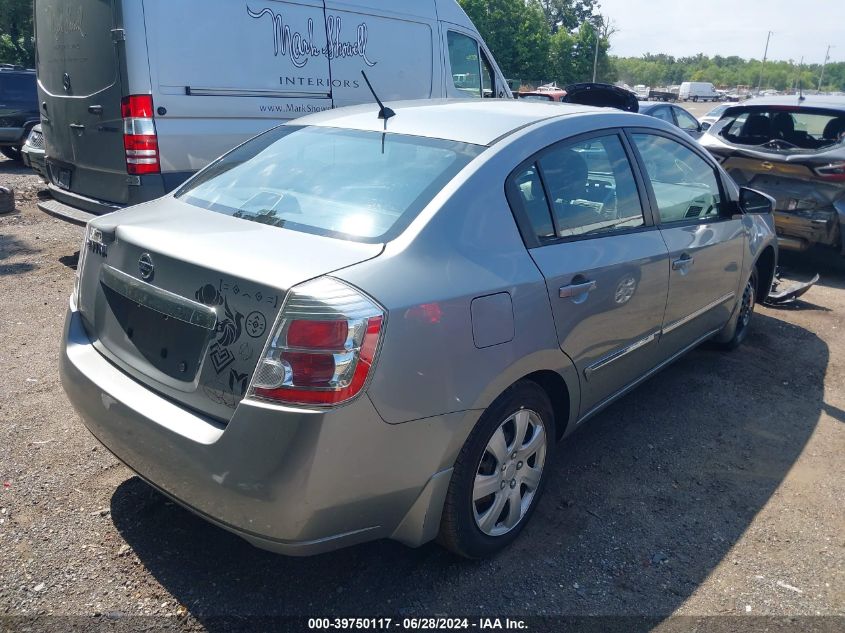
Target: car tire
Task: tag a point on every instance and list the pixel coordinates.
(475, 525)
(12, 152)
(737, 329)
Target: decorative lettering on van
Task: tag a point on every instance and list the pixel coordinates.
(300, 47)
(68, 19)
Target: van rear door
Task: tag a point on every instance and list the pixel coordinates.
(395, 50)
(80, 91)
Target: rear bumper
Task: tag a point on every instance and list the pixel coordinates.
(293, 481)
(34, 159)
(802, 229)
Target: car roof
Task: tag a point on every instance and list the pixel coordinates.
(645, 106)
(809, 101)
(475, 121)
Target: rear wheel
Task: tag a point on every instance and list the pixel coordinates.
(13, 152)
(499, 474)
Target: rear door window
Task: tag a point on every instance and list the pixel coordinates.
(578, 189)
(664, 114)
(18, 88)
(685, 120)
(686, 187)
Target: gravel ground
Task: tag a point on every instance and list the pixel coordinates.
(715, 489)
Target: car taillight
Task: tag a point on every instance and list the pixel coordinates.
(833, 171)
(139, 135)
(323, 346)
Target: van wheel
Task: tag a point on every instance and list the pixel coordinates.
(742, 320)
(499, 474)
(13, 152)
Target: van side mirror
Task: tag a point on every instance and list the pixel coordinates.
(753, 201)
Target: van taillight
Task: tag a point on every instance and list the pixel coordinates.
(323, 347)
(139, 135)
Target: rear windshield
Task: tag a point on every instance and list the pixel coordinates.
(362, 186)
(785, 128)
(18, 88)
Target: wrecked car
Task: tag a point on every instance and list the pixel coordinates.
(792, 148)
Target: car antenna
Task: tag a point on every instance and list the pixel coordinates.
(385, 112)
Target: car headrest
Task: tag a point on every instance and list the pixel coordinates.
(757, 125)
(783, 123)
(834, 128)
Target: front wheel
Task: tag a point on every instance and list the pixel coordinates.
(737, 329)
(499, 474)
(12, 152)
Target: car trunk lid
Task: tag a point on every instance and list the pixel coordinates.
(189, 316)
(80, 91)
(602, 96)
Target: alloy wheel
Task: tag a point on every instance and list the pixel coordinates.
(509, 473)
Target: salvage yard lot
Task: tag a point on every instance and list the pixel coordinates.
(716, 488)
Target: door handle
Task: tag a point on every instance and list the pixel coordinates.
(76, 126)
(574, 290)
(684, 261)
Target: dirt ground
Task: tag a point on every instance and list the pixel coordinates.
(715, 489)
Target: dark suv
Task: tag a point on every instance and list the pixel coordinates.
(18, 108)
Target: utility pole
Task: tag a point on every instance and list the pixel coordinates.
(796, 85)
(765, 54)
(598, 40)
(824, 63)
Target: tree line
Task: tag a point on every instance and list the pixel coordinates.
(665, 70)
(537, 41)
(17, 44)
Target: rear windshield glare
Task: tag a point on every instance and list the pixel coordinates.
(349, 184)
(787, 129)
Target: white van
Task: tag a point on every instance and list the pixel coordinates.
(137, 95)
(698, 91)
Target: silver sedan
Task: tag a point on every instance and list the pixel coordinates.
(379, 323)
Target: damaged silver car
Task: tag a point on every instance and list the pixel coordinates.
(793, 149)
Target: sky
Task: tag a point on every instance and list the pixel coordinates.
(728, 27)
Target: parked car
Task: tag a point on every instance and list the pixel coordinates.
(144, 102)
(18, 108)
(33, 154)
(698, 91)
(793, 149)
(674, 114)
(335, 334)
(713, 115)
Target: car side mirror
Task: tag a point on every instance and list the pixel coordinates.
(705, 126)
(753, 201)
